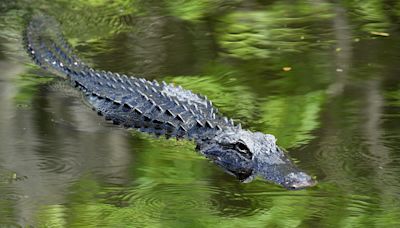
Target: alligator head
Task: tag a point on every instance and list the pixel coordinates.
(246, 155)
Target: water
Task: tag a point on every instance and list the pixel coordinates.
(322, 77)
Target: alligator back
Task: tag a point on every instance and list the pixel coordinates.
(153, 107)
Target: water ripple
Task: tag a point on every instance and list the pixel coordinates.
(13, 197)
(157, 201)
(61, 165)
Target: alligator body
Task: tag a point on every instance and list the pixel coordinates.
(164, 109)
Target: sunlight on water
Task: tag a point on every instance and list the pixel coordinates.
(322, 77)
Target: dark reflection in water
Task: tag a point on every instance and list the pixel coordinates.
(322, 77)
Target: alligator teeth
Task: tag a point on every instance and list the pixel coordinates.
(208, 124)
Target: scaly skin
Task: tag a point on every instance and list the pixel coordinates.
(163, 109)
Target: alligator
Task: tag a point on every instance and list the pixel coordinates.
(164, 109)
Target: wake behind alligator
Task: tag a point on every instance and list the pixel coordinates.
(164, 109)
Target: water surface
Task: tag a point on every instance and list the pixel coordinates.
(322, 77)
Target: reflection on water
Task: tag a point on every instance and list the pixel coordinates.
(336, 111)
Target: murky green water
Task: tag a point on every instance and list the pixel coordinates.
(322, 76)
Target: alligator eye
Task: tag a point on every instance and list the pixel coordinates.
(243, 149)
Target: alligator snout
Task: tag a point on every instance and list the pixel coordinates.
(297, 181)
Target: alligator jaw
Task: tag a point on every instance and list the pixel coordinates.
(277, 167)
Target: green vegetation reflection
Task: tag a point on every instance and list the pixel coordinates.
(267, 64)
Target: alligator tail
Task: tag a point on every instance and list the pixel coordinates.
(48, 48)
(129, 101)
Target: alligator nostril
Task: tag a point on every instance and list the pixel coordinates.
(297, 187)
(302, 185)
